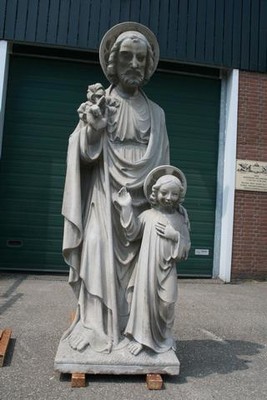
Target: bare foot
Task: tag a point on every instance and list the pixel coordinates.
(79, 337)
(135, 347)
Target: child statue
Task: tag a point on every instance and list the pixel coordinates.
(164, 231)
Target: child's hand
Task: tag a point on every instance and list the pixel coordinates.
(123, 198)
(167, 231)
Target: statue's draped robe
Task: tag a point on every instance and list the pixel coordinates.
(136, 143)
(154, 281)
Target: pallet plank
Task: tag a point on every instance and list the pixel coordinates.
(154, 381)
(78, 380)
(4, 341)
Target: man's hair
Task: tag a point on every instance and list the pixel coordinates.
(112, 60)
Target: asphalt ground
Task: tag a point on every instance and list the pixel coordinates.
(221, 331)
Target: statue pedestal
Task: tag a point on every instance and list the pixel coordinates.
(117, 362)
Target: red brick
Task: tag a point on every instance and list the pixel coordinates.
(250, 224)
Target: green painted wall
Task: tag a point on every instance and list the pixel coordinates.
(43, 96)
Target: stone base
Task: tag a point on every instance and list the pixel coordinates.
(117, 362)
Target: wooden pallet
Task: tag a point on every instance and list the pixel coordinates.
(153, 381)
(78, 380)
(5, 336)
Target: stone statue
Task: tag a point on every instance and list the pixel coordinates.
(121, 136)
(164, 230)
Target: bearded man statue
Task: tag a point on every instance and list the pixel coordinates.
(120, 138)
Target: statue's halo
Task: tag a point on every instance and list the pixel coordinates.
(112, 34)
(160, 171)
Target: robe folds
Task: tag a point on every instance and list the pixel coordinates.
(154, 282)
(137, 142)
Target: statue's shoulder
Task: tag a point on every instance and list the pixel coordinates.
(145, 215)
(149, 215)
(154, 106)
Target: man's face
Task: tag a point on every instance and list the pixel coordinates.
(131, 62)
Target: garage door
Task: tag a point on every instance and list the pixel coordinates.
(192, 107)
(42, 98)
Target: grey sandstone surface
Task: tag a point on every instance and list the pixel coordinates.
(117, 362)
(221, 331)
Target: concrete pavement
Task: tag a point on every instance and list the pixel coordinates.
(222, 347)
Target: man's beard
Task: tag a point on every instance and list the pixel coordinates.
(131, 78)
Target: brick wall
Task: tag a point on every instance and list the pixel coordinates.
(250, 224)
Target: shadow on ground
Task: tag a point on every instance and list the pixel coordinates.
(200, 358)
(10, 353)
(9, 297)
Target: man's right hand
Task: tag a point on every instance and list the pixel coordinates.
(96, 119)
